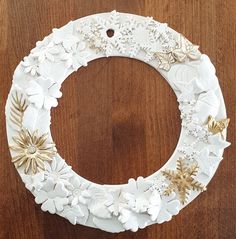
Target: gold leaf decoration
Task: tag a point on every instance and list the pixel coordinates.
(182, 180)
(165, 60)
(186, 50)
(183, 51)
(17, 109)
(32, 150)
(215, 126)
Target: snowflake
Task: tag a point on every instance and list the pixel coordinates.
(189, 152)
(182, 180)
(159, 184)
(96, 32)
(144, 36)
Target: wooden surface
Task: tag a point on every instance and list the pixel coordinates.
(118, 118)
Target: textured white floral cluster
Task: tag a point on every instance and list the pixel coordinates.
(63, 47)
(61, 191)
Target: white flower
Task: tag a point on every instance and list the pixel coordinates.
(140, 197)
(65, 37)
(76, 58)
(132, 220)
(53, 197)
(142, 204)
(135, 196)
(31, 65)
(96, 199)
(58, 171)
(75, 214)
(44, 92)
(114, 204)
(169, 206)
(78, 186)
(34, 181)
(45, 49)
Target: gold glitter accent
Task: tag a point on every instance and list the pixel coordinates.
(182, 180)
(32, 150)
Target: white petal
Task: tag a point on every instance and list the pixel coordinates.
(38, 100)
(49, 206)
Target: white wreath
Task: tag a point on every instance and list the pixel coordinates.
(114, 208)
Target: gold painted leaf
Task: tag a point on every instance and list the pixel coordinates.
(215, 126)
(17, 108)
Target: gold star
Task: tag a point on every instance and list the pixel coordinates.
(32, 150)
(182, 180)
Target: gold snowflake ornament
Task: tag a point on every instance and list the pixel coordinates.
(182, 180)
(32, 150)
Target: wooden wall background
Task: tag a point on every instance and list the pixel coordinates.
(118, 117)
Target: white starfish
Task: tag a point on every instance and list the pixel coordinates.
(217, 144)
(206, 162)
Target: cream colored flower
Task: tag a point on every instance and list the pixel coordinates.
(32, 150)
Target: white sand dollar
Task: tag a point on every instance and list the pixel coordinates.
(143, 201)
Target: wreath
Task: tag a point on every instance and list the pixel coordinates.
(143, 201)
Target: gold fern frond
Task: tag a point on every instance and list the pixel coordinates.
(17, 108)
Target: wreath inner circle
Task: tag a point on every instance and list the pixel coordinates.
(143, 201)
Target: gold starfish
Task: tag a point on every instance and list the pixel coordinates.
(182, 180)
(215, 126)
(32, 150)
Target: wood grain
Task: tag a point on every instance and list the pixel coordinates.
(118, 117)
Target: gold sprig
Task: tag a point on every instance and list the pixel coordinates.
(17, 109)
(217, 126)
(182, 180)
